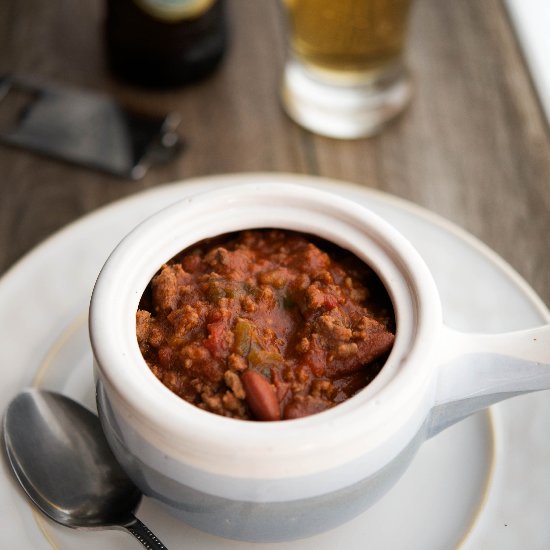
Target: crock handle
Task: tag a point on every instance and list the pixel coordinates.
(477, 370)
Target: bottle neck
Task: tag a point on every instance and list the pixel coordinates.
(154, 53)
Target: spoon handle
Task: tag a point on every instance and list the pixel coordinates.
(144, 535)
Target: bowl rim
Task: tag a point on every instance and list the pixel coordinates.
(387, 413)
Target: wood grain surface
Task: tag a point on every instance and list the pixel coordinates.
(473, 146)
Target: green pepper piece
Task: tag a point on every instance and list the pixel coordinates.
(260, 358)
(234, 290)
(243, 336)
(215, 292)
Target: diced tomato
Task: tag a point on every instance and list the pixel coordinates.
(217, 341)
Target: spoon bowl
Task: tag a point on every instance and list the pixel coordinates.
(61, 458)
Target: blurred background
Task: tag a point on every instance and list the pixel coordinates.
(473, 146)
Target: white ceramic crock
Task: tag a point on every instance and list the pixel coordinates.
(290, 479)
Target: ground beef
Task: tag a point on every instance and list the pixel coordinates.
(265, 325)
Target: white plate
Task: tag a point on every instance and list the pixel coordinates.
(483, 483)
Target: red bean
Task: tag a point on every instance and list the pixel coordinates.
(260, 396)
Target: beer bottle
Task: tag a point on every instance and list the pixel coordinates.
(164, 43)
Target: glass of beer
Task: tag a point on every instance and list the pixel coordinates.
(345, 76)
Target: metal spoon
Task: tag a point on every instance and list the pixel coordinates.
(60, 456)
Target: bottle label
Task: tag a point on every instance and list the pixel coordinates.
(174, 10)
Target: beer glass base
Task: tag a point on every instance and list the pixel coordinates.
(344, 111)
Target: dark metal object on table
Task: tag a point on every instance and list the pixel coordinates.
(84, 128)
(61, 458)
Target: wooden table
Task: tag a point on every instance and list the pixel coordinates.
(473, 146)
